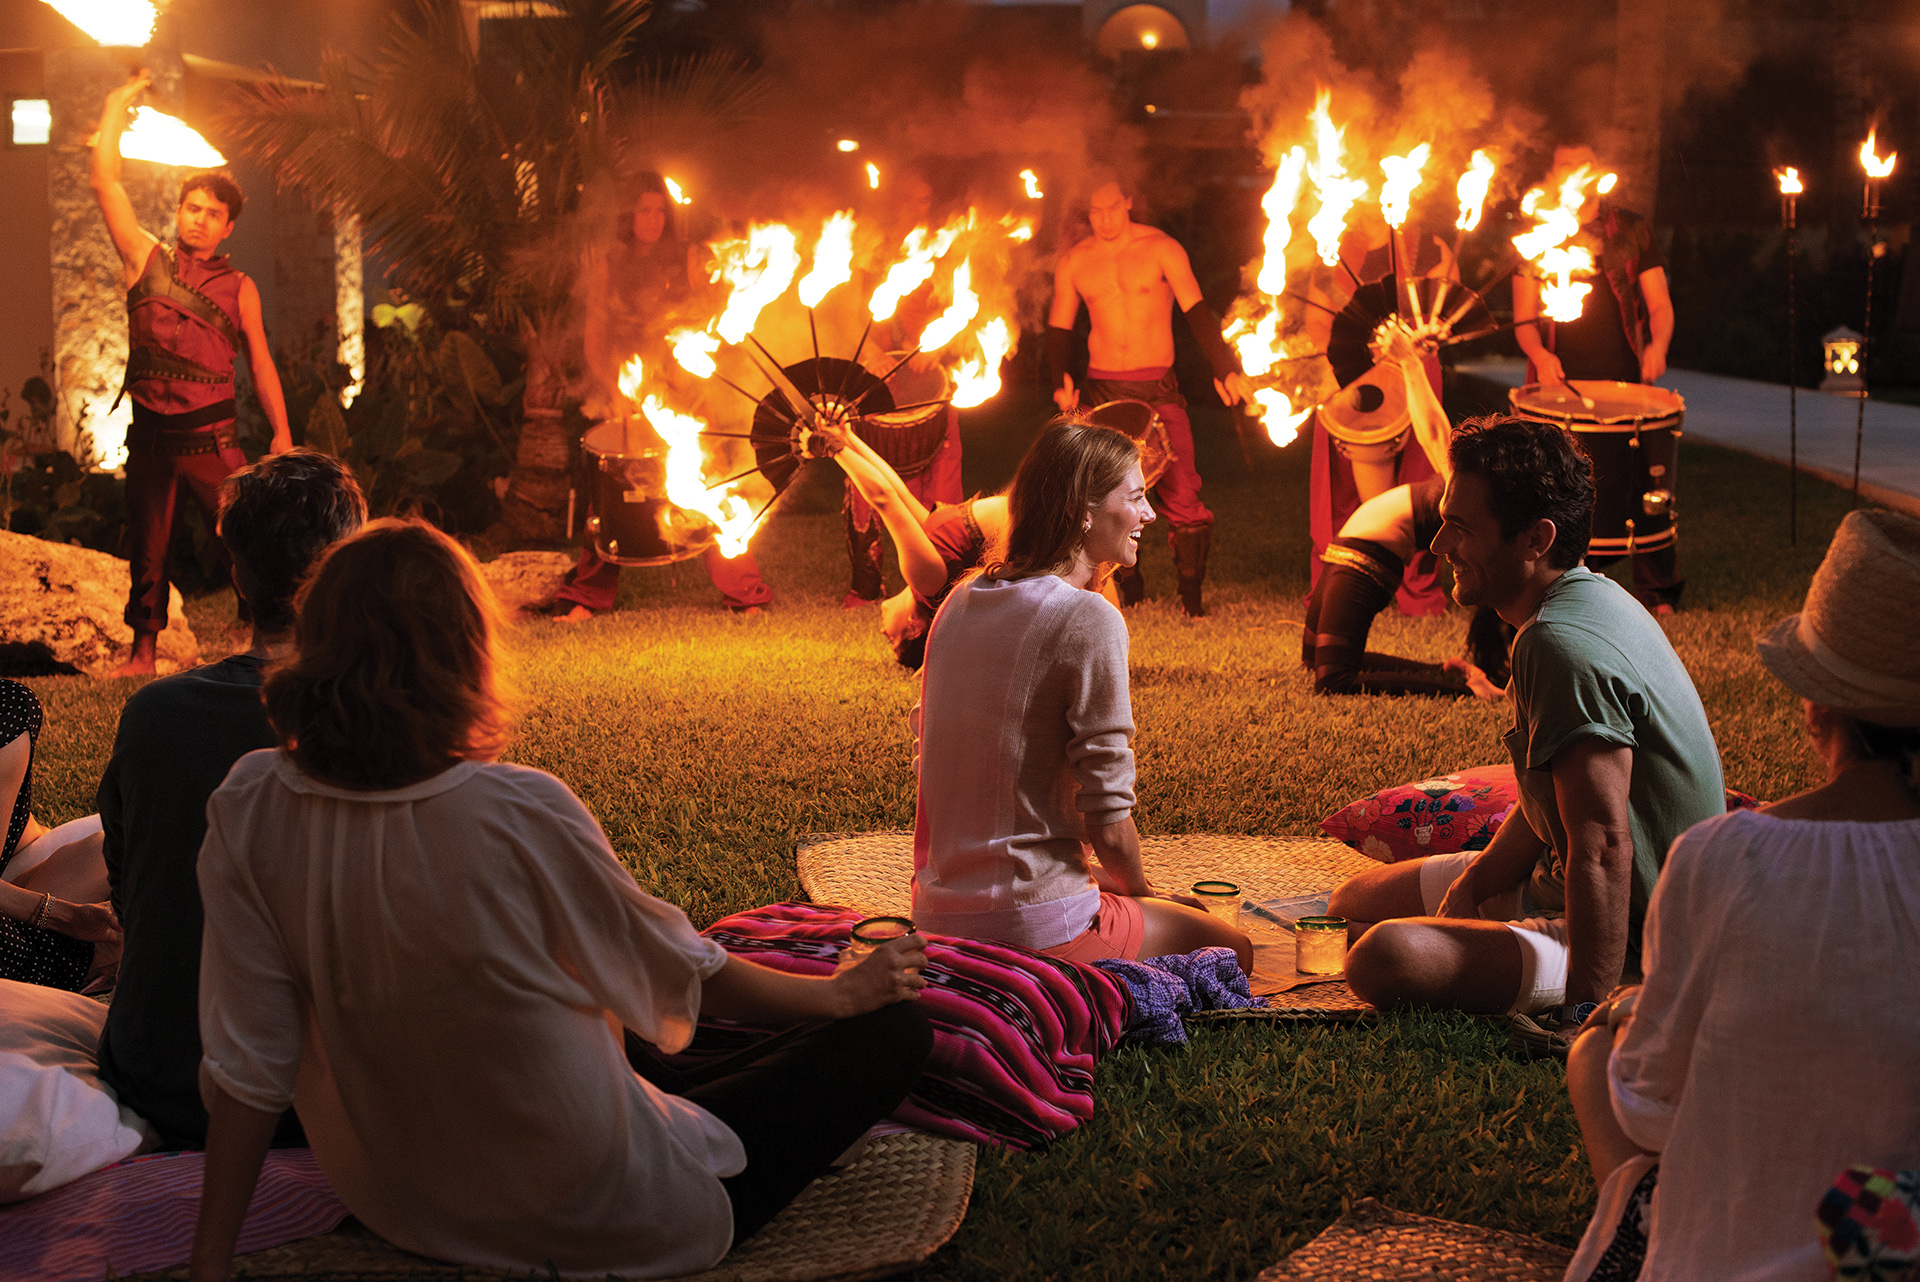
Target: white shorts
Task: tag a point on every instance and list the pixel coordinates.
(1543, 940)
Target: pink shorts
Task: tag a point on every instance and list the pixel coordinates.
(1116, 931)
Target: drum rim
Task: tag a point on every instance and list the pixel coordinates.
(613, 425)
(1391, 387)
(1153, 415)
(1584, 420)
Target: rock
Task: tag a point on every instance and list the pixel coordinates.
(71, 599)
(523, 580)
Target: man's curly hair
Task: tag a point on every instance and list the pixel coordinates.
(1532, 470)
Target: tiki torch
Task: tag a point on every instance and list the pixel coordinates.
(1878, 171)
(1790, 189)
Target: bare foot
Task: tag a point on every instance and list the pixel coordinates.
(1476, 678)
(579, 614)
(140, 662)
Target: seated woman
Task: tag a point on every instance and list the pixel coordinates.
(53, 883)
(1024, 829)
(438, 957)
(1773, 1043)
(1364, 564)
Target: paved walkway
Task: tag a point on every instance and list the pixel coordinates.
(1752, 417)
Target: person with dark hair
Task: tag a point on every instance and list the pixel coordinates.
(1131, 276)
(441, 959)
(1023, 830)
(1773, 1043)
(1611, 750)
(189, 313)
(629, 295)
(177, 739)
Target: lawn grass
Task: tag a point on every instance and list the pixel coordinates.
(708, 743)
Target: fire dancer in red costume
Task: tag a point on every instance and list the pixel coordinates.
(188, 312)
(1129, 275)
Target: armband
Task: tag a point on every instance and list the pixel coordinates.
(1059, 354)
(1206, 331)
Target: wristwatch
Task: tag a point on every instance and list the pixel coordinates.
(1574, 1014)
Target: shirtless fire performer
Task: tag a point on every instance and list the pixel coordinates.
(1129, 275)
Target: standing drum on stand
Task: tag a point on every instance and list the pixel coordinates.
(1631, 431)
(909, 438)
(633, 522)
(1370, 425)
(1141, 421)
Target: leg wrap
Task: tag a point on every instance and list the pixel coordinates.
(1357, 584)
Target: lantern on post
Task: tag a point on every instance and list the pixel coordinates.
(1844, 350)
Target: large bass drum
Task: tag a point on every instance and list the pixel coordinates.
(1631, 431)
(1142, 422)
(632, 521)
(910, 438)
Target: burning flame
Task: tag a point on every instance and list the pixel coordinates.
(1472, 190)
(127, 23)
(965, 306)
(832, 259)
(1875, 167)
(674, 190)
(1790, 184)
(158, 137)
(920, 251)
(1150, 40)
(1032, 181)
(760, 268)
(1561, 297)
(873, 176)
(1403, 178)
(1256, 343)
(1278, 205)
(693, 350)
(977, 381)
(1337, 192)
(1607, 182)
(732, 515)
(847, 144)
(1278, 416)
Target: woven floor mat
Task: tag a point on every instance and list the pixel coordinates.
(873, 871)
(885, 1214)
(1373, 1244)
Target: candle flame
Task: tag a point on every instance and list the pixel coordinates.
(1874, 165)
(1278, 205)
(1032, 182)
(674, 190)
(873, 175)
(832, 259)
(760, 268)
(1402, 179)
(1336, 191)
(847, 144)
(965, 306)
(693, 350)
(976, 381)
(157, 137)
(1790, 184)
(119, 23)
(1472, 190)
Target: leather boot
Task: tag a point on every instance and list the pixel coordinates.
(1131, 587)
(1190, 543)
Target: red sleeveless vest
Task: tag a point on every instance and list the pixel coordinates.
(183, 330)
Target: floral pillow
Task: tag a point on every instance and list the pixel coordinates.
(1439, 816)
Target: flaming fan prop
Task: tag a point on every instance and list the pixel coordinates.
(668, 509)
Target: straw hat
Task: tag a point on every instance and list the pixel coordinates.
(1855, 645)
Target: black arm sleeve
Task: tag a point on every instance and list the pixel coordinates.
(1059, 354)
(1206, 331)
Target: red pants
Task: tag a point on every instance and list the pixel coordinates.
(939, 483)
(594, 581)
(155, 477)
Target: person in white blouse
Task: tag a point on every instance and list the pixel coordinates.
(438, 957)
(1773, 1043)
(1024, 830)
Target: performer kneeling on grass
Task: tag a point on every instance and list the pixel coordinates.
(435, 954)
(1366, 561)
(1024, 828)
(1773, 1044)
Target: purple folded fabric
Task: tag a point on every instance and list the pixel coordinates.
(1166, 988)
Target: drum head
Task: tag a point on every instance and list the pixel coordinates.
(1620, 407)
(1138, 420)
(1371, 410)
(909, 386)
(609, 440)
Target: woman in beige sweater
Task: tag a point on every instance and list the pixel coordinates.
(1024, 830)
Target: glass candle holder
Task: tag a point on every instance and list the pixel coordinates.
(1220, 898)
(1320, 945)
(869, 935)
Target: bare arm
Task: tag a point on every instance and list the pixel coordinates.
(237, 1140)
(1431, 427)
(745, 990)
(1178, 269)
(900, 511)
(1526, 307)
(131, 239)
(1653, 288)
(1117, 848)
(1066, 297)
(1590, 785)
(1507, 861)
(266, 379)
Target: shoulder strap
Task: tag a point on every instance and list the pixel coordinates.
(159, 281)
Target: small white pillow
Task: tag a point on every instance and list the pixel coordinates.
(58, 1120)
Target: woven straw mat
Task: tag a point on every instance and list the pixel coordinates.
(884, 1214)
(872, 872)
(1373, 1244)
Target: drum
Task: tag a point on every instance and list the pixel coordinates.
(1140, 421)
(1632, 434)
(1369, 423)
(633, 523)
(909, 438)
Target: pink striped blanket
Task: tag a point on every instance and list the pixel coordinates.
(138, 1215)
(1016, 1034)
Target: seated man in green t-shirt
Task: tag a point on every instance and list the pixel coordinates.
(1610, 747)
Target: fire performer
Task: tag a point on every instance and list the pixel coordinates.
(1129, 275)
(188, 313)
(1622, 335)
(630, 294)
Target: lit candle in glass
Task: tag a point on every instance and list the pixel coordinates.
(1320, 945)
(1220, 898)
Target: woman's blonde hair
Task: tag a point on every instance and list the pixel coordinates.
(1073, 466)
(395, 675)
